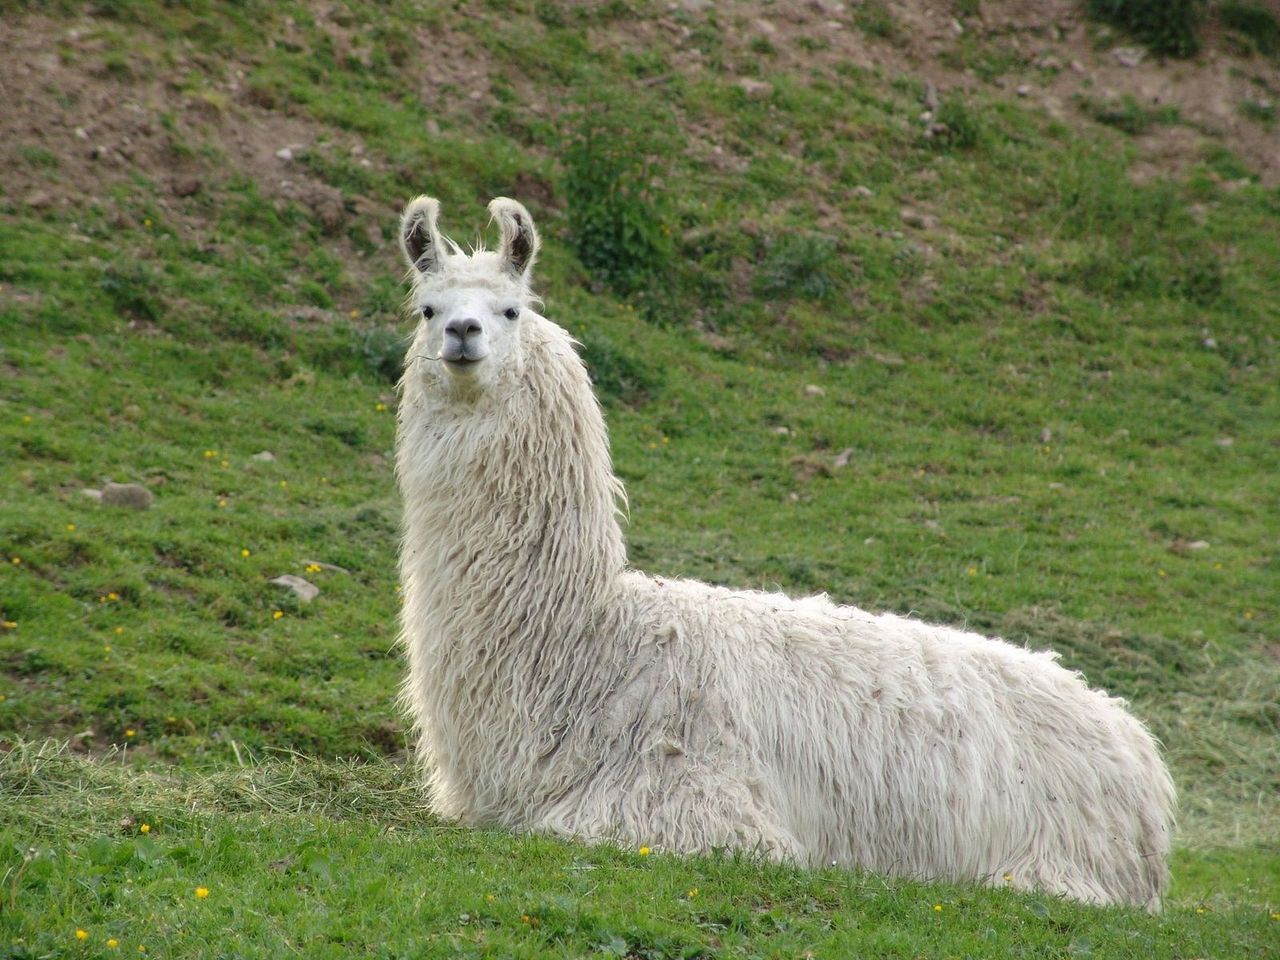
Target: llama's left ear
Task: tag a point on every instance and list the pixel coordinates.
(519, 238)
(419, 237)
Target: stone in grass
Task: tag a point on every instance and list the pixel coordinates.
(134, 496)
(305, 590)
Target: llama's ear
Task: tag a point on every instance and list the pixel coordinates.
(419, 238)
(519, 238)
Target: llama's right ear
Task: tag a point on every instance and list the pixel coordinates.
(419, 238)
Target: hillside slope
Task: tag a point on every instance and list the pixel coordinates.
(939, 314)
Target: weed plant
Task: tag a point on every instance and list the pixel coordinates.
(1168, 27)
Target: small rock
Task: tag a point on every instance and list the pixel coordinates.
(866, 193)
(1050, 62)
(82, 133)
(957, 28)
(264, 456)
(1198, 545)
(433, 128)
(305, 590)
(930, 96)
(1129, 56)
(1225, 442)
(185, 186)
(1024, 90)
(1046, 435)
(39, 199)
(1209, 343)
(914, 218)
(842, 458)
(755, 89)
(1057, 486)
(933, 525)
(1077, 67)
(285, 154)
(94, 495)
(813, 390)
(782, 431)
(134, 496)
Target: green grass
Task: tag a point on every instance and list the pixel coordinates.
(303, 857)
(1049, 399)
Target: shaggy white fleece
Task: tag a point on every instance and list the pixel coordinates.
(553, 689)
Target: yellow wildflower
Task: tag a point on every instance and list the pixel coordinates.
(119, 630)
(130, 732)
(9, 624)
(972, 571)
(145, 828)
(644, 851)
(112, 943)
(82, 934)
(380, 407)
(277, 615)
(937, 908)
(71, 527)
(202, 893)
(16, 561)
(244, 552)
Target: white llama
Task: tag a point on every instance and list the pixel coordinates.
(553, 689)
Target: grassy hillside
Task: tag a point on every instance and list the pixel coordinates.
(963, 366)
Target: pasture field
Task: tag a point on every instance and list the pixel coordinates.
(996, 376)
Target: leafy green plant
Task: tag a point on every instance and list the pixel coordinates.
(382, 350)
(1128, 114)
(956, 125)
(1253, 23)
(1167, 27)
(618, 207)
(799, 265)
(617, 374)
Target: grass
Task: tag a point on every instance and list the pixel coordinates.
(1059, 406)
(298, 856)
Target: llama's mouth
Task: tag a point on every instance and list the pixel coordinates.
(462, 363)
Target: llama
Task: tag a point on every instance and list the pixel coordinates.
(553, 689)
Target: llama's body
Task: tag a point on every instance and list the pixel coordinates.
(552, 689)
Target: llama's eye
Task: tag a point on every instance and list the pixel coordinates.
(428, 312)
(511, 313)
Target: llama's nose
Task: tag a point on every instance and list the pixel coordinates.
(462, 328)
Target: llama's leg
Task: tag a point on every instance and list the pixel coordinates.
(690, 821)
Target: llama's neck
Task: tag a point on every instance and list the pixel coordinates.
(512, 540)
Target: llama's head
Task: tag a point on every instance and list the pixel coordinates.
(470, 305)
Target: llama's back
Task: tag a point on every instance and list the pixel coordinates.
(897, 746)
